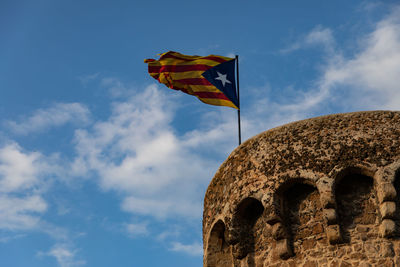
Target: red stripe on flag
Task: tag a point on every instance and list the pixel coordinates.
(194, 81)
(217, 59)
(178, 68)
(211, 95)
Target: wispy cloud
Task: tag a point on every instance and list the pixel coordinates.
(25, 178)
(86, 79)
(195, 249)
(18, 170)
(137, 229)
(22, 178)
(64, 255)
(6, 239)
(372, 74)
(20, 212)
(365, 80)
(54, 116)
(137, 152)
(318, 36)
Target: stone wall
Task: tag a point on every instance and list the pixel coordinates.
(318, 192)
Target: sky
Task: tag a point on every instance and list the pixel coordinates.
(100, 165)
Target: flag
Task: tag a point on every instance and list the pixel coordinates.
(211, 79)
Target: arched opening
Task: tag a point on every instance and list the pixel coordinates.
(218, 253)
(303, 216)
(247, 214)
(249, 210)
(356, 205)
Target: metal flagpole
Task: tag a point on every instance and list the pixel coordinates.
(238, 96)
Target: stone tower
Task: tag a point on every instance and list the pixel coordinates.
(319, 192)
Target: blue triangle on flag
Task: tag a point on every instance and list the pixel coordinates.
(222, 76)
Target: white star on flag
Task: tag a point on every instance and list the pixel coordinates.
(222, 78)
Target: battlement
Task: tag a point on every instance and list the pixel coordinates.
(317, 192)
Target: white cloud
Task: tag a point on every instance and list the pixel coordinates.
(137, 153)
(24, 179)
(115, 87)
(136, 229)
(365, 80)
(195, 249)
(21, 182)
(56, 115)
(318, 36)
(20, 212)
(64, 255)
(173, 231)
(18, 170)
(164, 206)
(372, 74)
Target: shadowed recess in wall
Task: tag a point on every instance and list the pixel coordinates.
(357, 206)
(248, 211)
(218, 251)
(303, 217)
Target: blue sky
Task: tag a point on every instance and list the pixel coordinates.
(102, 166)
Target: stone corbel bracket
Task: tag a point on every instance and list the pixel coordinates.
(328, 203)
(386, 192)
(279, 231)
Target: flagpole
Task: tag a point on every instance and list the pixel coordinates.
(238, 96)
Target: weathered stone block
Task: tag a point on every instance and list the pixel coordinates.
(327, 200)
(330, 216)
(239, 251)
(387, 228)
(278, 231)
(272, 215)
(388, 209)
(345, 264)
(387, 250)
(273, 219)
(386, 192)
(333, 234)
(283, 249)
(310, 264)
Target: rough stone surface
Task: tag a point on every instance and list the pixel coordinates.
(318, 192)
(333, 234)
(330, 216)
(387, 228)
(388, 209)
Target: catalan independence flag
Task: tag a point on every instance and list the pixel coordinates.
(211, 79)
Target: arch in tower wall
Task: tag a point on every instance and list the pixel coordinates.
(299, 221)
(245, 221)
(356, 204)
(218, 252)
(302, 216)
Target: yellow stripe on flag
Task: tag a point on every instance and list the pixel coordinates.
(183, 72)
